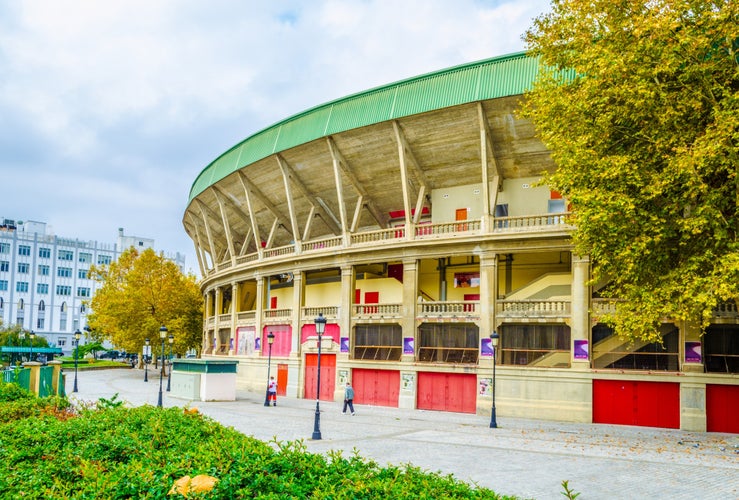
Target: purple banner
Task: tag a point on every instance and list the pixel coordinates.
(486, 347)
(408, 345)
(693, 353)
(344, 344)
(581, 349)
(257, 344)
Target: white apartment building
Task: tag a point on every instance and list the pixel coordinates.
(44, 283)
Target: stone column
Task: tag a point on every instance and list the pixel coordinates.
(409, 312)
(348, 280)
(580, 310)
(259, 311)
(297, 312)
(234, 317)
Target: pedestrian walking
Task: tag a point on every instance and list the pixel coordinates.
(348, 398)
(272, 392)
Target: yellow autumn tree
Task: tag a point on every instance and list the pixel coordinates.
(139, 293)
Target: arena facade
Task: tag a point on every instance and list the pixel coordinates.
(412, 217)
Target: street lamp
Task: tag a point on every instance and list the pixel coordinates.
(169, 377)
(162, 336)
(146, 363)
(31, 336)
(23, 340)
(494, 338)
(77, 336)
(270, 341)
(320, 322)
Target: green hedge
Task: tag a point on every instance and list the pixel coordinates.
(115, 452)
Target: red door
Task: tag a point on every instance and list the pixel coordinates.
(281, 379)
(646, 404)
(371, 298)
(447, 392)
(376, 387)
(722, 408)
(328, 376)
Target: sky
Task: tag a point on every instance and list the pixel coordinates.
(110, 109)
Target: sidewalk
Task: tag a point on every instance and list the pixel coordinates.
(527, 458)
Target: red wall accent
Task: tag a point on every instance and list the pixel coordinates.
(282, 343)
(309, 330)
(328, 376)
(376, 387)
(628, 402)
(447, 392)
(281, 379)
(722, 408)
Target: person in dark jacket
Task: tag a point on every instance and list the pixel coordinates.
(348, 398)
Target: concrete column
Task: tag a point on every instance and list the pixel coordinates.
(34, 383)
(409, 310)
(348, 284)
(689, 332)
(297, 311)
(488, 292)
(259, 308)
(216, 320)
(234, 317)
(57, 365)
(580, 309)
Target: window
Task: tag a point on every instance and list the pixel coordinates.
(541, 346)
(378, 342)
(42, 288)
(721, 349)
(611, 352)
(83, 291)
(82, 274)
(39, 323)
(65, 255)
(104, 259)
(21, 286)
(448, 343)
(23, 267)
(61, 343)
(85, 258)
(3, 285)
(64, 272)
(4, 247)
(4, 265)
(24, 250)
(63, 290)
(43, 270)
(501, 211)
(44, 253)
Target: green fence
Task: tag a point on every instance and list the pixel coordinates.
(21, 376)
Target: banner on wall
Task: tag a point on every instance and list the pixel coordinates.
(466, 280)
(486, 347)
(344, 344)
(693, 352)
(581, 349)
(257, 344)
(408, 345)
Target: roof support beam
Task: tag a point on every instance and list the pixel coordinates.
(253, 190)
(226, 227)
(487, 160)
(203, 207)
(287, 174)
(405, 151)
(198, 244)
(252, 216)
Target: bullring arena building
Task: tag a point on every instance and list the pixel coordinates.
(412, 218)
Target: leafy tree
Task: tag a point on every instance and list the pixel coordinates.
(639, 104)
(139, 294)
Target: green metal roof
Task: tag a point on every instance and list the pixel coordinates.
(502, 76)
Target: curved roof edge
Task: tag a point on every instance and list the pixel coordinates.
(492, 78)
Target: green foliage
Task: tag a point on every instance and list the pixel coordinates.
(115, 452)
(568, 492)
(645, 135)
(17, 403)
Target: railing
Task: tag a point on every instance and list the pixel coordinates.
(447, 228)
(602, 307)
(376, 310)
(533, 308)
(447, 354)
(224, 318)
(279, 251)
(310, 313)
(246, 316)
(448, 308)
(526, 222)
(278, 313)
(210, 321)
(396, 233)
(322, 244)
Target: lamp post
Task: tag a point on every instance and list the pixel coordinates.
(169, 377)
(22, 336)
(77, 336)
(320, 322)
(494, 338)
(162, 336)
(31, 336)
(270, 341)
(146, 364)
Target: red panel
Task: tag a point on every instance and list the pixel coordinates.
(376, 387)
(281, 379)
(722, 408)
(328, 376)
(273, 303)
(395, 271)
(309, 330)
(447, 392)
(283, 340)
(647, 404)
(371, 298)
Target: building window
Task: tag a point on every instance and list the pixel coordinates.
(4, 265)
(4, 247)
(82, 274)
(85, 258)
(721, 349)
(83, 291)
(3, 285)
(24, 250)
(609, 351)
(65, 255)
(63, 290)
(63, 317)
(44, 253)
(40, 323)
(541, 346)
(21, 286)
(23, 267)
(104, 259)
(448, 343)
(61, 343)
(64, 272)
(43, 270)
(378, 342)
(42, 288)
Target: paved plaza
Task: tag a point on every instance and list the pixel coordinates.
(527, 458)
